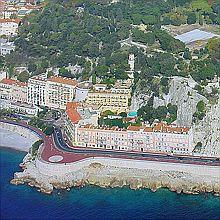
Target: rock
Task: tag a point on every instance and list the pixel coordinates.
(96, 165)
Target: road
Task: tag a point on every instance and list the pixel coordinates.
(62, 145)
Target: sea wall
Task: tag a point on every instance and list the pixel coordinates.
(51, 169)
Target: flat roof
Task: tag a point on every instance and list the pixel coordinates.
(195, 35)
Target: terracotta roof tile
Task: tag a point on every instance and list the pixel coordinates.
(14, 82)
(148, 129)
(17, 20)
(73, 115)
(134, 128)
(73, 105)
(63, 80)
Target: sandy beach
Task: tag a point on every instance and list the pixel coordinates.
(14, 140)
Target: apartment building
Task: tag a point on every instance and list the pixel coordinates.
(79, 115)
(37, 90)
(53, 92)
(9, 27)
(137, 139)
(13, 90)
(115, 99)
(59, 91)
(6, 47)
(161, 138)
(19, 107)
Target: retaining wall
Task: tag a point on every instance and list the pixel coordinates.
(51, 169)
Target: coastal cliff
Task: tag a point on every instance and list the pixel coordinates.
(185, 93)
(95, 173)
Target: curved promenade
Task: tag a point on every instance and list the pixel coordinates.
(69, 160)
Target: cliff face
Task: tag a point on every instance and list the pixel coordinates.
(183, 94)
(112, 176)
(186, 98)
(138, 99)
(207, 131)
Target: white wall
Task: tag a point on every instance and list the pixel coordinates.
(51, 169)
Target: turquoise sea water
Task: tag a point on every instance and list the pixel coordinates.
(24, 202)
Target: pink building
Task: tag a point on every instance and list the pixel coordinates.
(161, 138)
(13, 90)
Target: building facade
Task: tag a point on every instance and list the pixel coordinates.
(115, 99)
(158, 139)
(9, 27)
(53, 92)
(13, 90)
(18, 107)
(59, 91)
(6, 48)
(37, 90)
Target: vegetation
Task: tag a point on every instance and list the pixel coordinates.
(23, 76)
(88, 33)
(200, 111)
(148, 113)
(35, 147)
(46, 128)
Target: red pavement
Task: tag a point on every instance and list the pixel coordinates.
(49, 149)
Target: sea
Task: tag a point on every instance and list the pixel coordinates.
(24, 202)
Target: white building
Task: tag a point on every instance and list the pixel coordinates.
(9, 27)
(59, 91)
(37, 90)
(3, 75)
(21, 108)
(53, 92)
(6, 48)
(13, 90)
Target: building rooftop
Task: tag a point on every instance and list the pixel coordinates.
(13, 82)
(195, 35)
(73, 114)
(63, 80)
(17, 20)
(160, 127)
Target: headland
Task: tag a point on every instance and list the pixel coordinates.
(54, 168)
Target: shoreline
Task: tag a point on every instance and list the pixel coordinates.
(110, 172)
(110, 176)
(16, 137)
(13, 149)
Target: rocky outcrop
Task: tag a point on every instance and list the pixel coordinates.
(138, 100)
(182, 94)
(207, 131)
(109, 176)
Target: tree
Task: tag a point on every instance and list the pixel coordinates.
(49, 130)
(107, 112)
(191, 19)
(200, 106)
(23, 76)
(65, 73)
(123, 114)
(32, 67)
(187, 54)
(35, 147)
(161, 112)
(213, 47)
